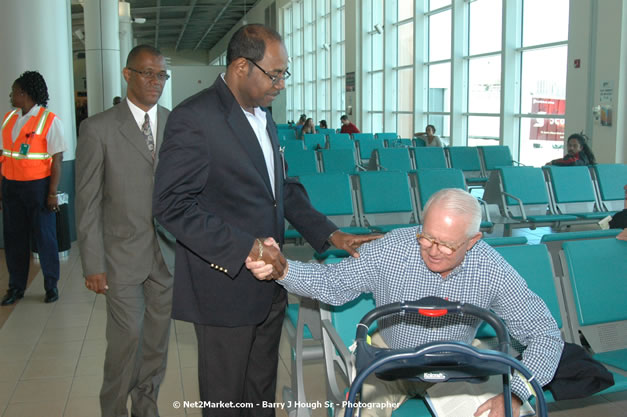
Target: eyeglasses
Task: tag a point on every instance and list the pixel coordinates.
(160, 76)
(275, 78)
(427, 241)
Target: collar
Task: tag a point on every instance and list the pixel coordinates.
(31, 113)
(139, 114)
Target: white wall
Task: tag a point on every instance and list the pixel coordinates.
(598, 38)
(189, 80)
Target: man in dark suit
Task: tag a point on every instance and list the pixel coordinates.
(126, 255)
(220, 186)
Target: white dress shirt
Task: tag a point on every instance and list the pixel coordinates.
(139, 115)
(258, 122)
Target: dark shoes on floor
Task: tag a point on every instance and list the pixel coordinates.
(51, 295)
(12, 296)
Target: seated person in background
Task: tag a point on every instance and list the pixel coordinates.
(301, 120)
(619, 220)
(429, 137)
(323, 124)
(308, 127)
(444, 258)
(348, 126)
(117, 100)
(579, 153)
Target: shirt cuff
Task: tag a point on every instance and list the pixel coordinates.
(519, 388)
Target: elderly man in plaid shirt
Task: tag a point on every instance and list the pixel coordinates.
(447, 259)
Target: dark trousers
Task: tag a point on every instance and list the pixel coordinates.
(24, 212)
(239, 364)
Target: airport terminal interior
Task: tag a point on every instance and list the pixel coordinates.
(503, 83)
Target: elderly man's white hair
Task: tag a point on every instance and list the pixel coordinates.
(458, 201)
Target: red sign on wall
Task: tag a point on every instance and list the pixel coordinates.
(547, 128)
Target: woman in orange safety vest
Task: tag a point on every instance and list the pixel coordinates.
(32, 152)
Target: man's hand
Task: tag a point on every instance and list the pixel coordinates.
(268, 252)
(97, 283)
(496, 406)
(350, 242)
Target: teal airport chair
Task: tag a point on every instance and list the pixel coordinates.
(385, 201)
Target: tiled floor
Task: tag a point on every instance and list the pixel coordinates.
(51, 356)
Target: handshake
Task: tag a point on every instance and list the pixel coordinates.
(265, 260)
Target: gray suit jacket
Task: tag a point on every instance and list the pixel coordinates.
(117, 233)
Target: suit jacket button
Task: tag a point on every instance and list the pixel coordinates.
(275, 205)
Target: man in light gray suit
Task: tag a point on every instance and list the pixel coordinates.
(125, 254)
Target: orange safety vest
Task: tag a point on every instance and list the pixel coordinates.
(36, 163)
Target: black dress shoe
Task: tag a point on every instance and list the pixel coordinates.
(12, 296)
(51, 295)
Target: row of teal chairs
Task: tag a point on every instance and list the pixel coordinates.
(555, 196)
(475, 162)
(594, 276)
(378, 201)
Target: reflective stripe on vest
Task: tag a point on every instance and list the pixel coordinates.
(42, 122)
(10, 154)
(6, 120)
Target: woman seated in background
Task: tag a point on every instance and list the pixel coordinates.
(301, 120)
(323, 124)
(579, 153)
(429, 137)
(308, 127)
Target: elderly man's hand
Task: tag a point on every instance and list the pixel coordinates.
(350, 242)
(496, 406)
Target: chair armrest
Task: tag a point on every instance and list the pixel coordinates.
(332, 341)
(484, 205)
(520, 204)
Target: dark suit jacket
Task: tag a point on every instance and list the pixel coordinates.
(212, 192)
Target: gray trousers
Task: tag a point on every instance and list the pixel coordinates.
(138, 329)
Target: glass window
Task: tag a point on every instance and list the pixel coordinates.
(485, 26)
(483, 127)
(440, 87)
(484, 84)
(405, 90)
(376, 125)
(442, 127)
(440, 36)
(404, 122)
(406, 44)
(543, 86)
(541, 140)
(436, 4)
(544, 21)
(405, 10)
(377, 91)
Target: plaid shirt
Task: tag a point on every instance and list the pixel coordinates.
(392, 269)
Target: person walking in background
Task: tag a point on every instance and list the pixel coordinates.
(579, 152)
(429, 137)
(347, 125)
(32, 152)
(125, 254)
(220, 188)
